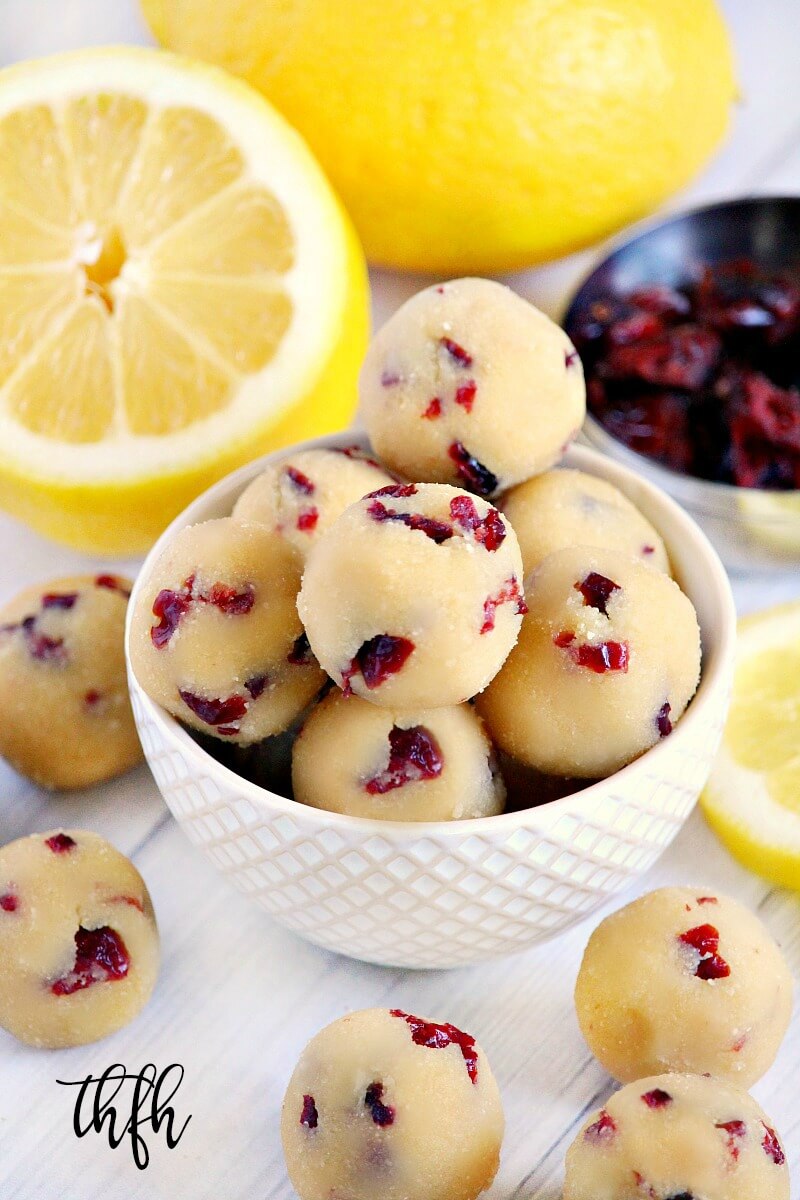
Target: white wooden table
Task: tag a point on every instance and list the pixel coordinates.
(238, 997)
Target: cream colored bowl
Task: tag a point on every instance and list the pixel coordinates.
(440, 894)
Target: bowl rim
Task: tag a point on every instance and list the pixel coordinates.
(714, 675)
(713, 498)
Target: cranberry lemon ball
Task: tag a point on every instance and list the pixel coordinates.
(684, 979)
(383, 1103)
(215, 637)
(357, 758)
(300, 496)
(565, 508)
(412, 599)
(78, 939)
(677, 1137)
(67, 719)
(469, 384)
(607, 660)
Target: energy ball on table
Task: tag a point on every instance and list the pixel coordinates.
(567, 508)
(469, 384)
(67, 719)
(78, 940)
(386, 1104)
(412, 599)
(356, 758)
(607, 660)
(677, 1137)
(215, 637)
(684, 979)
(302, 495)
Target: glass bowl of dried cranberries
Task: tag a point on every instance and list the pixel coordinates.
(689, 333)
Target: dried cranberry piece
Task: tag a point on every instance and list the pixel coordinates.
(602, 657)
(458, 354)
(570, 358)
(9, 902)
(256, 685)
(475, 476)
(597, 590)
(637, 327)
(300, 481)
(377, 659)
(170, 607)
(414, 755)
(658, 1098)
(434, 409)
(229, 601)
(663, 722)
(510, 593)
(773, 410)
(740, 297)
(307, 519)
(662, 300)
(112, 583)
(60, 843)
(705, 940)
(684, 357)
(772, 1146)
(360, 455)
(707, 900)
(489, 530)
(215, 711)
(735, 1130)
(101, 957)
(465, 395)
(654, 424)
(601, 1130)
(437, 531)
(64, 600)
(309, 1115)
(399, 491)
(382, 1114)
(436, 1037)
(300, 654)
(92, 698)
(39, 645)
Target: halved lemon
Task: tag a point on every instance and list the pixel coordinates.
(752, 799)
(180, 290)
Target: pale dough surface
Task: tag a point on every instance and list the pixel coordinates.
(470, 363)
(67, 720)
(554, 706)
(446, 588)
(644, 1005)
(303, 494)
(215, 636)
(371, 1113)
(427, 765)
(60, 892)
(677, 1137)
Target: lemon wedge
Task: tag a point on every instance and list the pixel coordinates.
(179, 291)
(752, 799)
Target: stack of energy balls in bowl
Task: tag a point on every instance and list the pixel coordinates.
(400, 626)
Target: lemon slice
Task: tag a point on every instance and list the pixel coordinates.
(179, 291)
(752, 799)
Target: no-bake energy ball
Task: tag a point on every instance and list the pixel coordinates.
(469, 384)
(607, 660)
(356, 758)
(383, 1103)
(67, 719)
(412, 599)
(302, 495)
(215, 636)
(677, 1137)
(78, 939)
(684, 979)
(565, 508)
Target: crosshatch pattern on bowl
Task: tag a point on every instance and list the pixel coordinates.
(445, 894)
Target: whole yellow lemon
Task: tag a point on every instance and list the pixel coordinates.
(470, 136)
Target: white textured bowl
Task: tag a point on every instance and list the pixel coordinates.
(444, 893)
